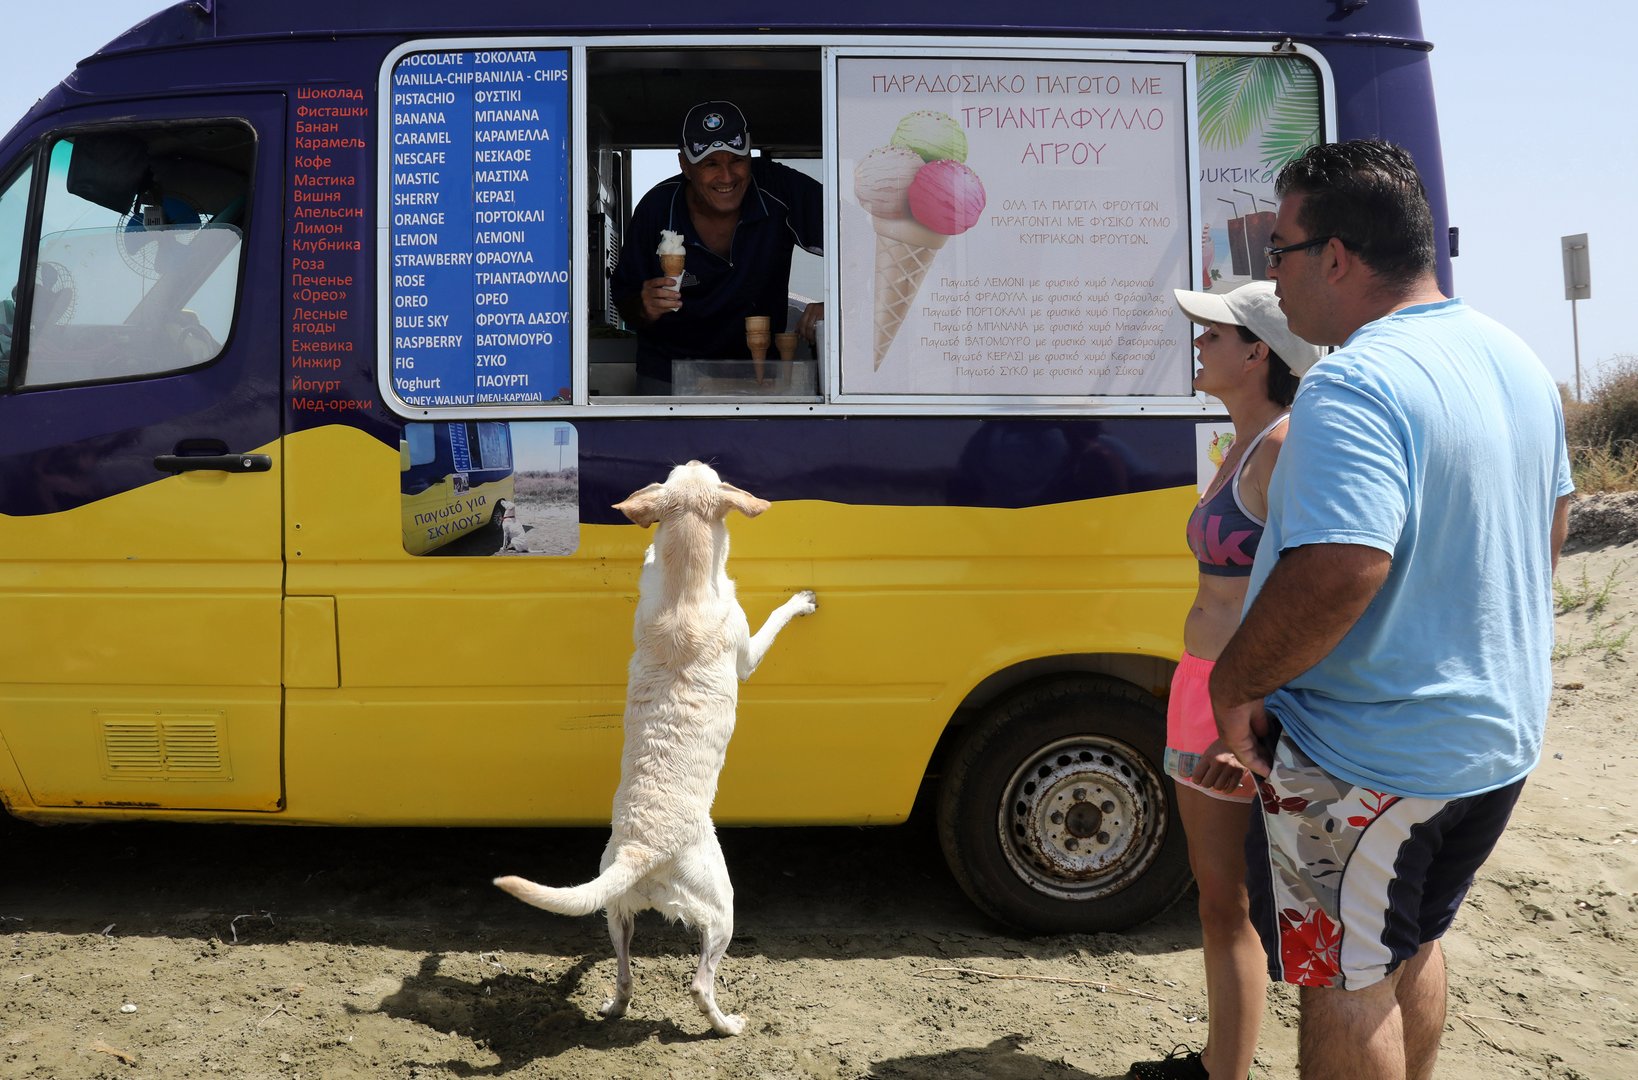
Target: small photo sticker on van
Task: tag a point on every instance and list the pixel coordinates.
(483, 488)
(1211, 445)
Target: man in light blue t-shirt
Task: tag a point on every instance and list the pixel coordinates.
(1391, 676)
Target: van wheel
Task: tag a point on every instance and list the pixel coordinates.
(494, 530)
(1054, 815)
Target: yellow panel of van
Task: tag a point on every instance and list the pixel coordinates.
(141, 646)
(310, 642)
(204, 748)
(489, 690)
(81, 586)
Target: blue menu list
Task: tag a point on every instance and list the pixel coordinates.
(479, 227)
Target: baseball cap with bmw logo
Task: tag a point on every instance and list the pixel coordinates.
(714, 125)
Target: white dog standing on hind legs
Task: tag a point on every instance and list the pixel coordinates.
(693, 648)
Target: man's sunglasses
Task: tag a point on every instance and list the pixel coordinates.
(1275, 254)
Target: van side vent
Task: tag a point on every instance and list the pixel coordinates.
(133, 746)
(159, 747)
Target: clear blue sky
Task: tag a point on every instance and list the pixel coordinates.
(1534, 110)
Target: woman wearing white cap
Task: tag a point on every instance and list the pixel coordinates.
(1249, 360)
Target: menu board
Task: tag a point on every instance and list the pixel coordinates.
(478, 227)
(1013, 227)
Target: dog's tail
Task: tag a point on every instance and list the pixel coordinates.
(630, 864)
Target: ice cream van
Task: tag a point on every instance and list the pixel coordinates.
(301, 293)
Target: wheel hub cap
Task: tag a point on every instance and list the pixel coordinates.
(1083, 817)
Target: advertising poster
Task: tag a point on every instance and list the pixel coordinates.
(1013, 227)
(1256, 114)
(469, 487)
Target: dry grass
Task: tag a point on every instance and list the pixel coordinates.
(1609, 467)
(1603, 430)
(551, 488)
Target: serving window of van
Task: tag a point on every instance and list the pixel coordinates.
(1000, 230)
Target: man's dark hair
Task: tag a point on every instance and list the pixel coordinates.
(1367, 193)
(1282, 381)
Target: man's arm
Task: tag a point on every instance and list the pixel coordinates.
(1313, 597)
(1561, 526)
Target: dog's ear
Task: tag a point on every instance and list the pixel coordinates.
(643, 507)
(734, 498)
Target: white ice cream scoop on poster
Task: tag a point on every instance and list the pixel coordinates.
(918, 192)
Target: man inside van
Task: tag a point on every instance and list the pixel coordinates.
(739, 218)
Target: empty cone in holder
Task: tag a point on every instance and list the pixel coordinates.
(757, 339)
(904, 250)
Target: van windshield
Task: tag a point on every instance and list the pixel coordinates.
(137, 267)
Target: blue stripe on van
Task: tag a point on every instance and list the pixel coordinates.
(893, 461)
(888, 461)
(60, 449)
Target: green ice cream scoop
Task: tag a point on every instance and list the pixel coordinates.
(934, 135)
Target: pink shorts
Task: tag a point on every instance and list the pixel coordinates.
(1191, 728)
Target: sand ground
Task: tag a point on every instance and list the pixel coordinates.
(178, 952)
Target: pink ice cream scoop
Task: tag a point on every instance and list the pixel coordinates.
(947, 197)
(881, 182)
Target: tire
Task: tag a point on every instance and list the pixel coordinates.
(1054, 815)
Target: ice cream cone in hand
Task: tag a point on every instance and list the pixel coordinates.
(673, 256)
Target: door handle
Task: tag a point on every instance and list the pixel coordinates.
(238, 463)
(210, 455)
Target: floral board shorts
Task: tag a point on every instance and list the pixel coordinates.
(1346, 883)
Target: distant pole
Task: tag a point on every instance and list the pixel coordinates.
(1575, 337)
(1577, 286)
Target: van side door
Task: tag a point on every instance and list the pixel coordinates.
(141, 566)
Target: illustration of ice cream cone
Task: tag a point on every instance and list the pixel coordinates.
(918, 194)
(933, 135)
(904, 252)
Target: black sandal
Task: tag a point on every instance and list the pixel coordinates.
(1181, 1064)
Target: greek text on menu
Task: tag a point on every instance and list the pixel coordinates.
(479, 228)
(1017, 225)
(1098, 327)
